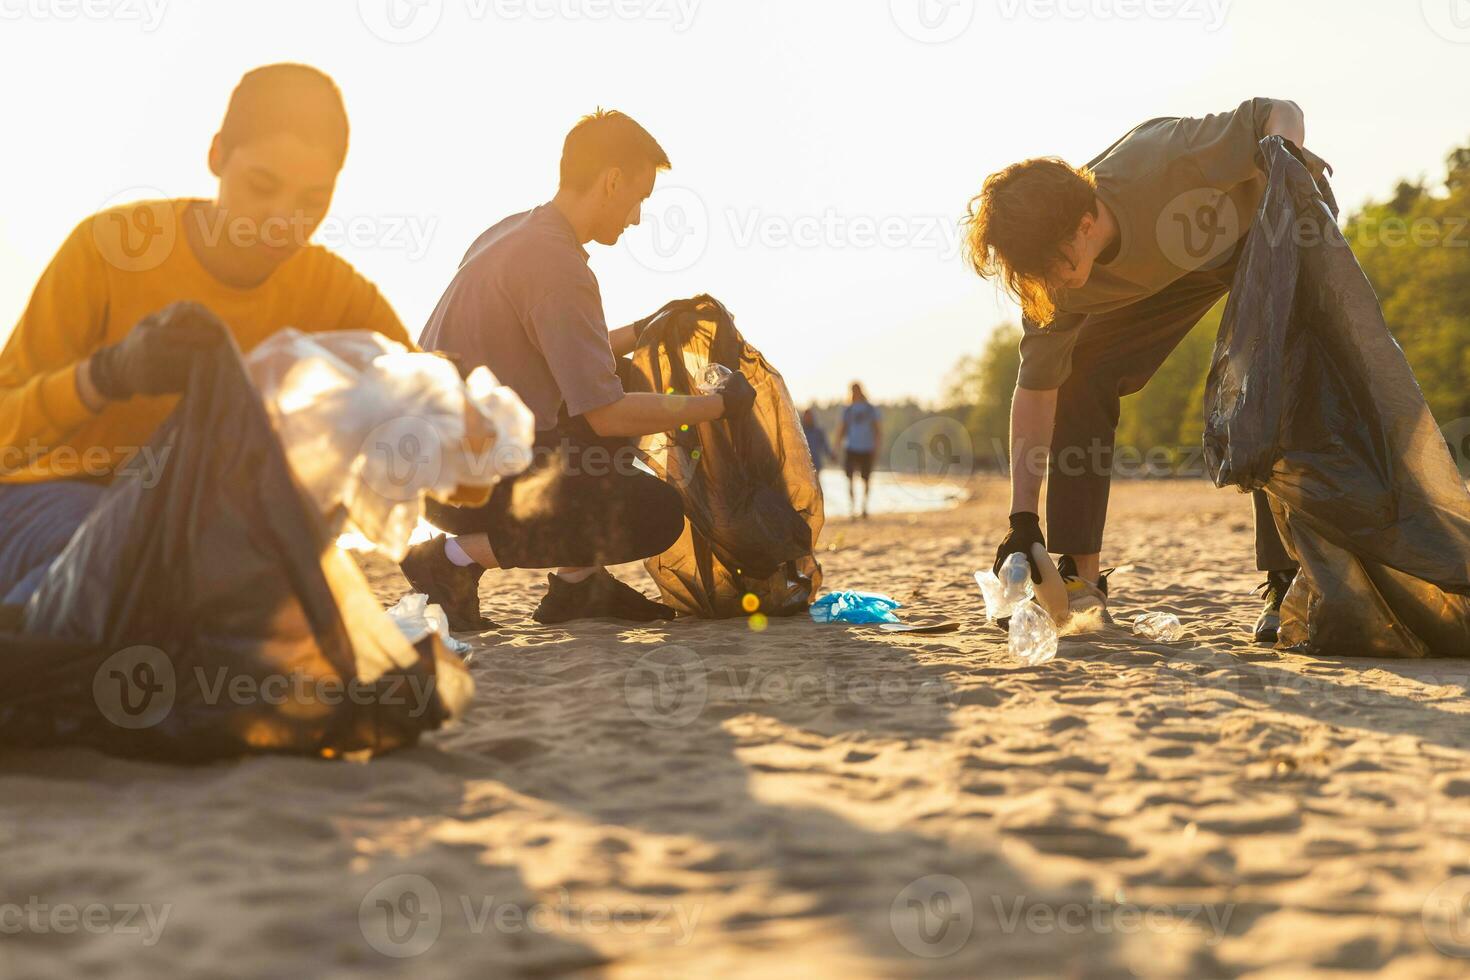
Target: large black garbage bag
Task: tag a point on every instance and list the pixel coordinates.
(210, 614)
(751, 496)
(1310, 398)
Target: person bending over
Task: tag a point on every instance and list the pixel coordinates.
(104, 346)
(1113, 263)
(525, 304)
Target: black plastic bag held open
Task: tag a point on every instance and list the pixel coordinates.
(1310, 398)
(751, 495)
(211, 614)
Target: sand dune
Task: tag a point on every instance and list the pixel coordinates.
(699, 799)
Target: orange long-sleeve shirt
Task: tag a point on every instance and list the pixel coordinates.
(117, 267)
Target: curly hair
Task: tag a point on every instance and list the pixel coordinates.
(1018, 222)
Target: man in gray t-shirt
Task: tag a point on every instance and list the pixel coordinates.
(525, 304)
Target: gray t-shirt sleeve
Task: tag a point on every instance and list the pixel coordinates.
(569, 327)
(1223, 145)
(1046, 352)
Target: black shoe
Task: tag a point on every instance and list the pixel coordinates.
(599, 596)
(1274, 590)
(455, 588)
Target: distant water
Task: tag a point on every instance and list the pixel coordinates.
(893, 493)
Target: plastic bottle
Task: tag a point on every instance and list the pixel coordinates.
(1159, 626)
(1004, 592)
(1033, 636)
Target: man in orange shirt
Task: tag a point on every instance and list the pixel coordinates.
(103, 349)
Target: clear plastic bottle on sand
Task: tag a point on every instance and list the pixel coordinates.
(1159, 626)
(1011, 588)
(1033, 635)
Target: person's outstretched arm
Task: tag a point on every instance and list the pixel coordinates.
(644, 413)
(1033, 414)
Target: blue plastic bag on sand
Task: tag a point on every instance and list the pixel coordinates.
(854, 607)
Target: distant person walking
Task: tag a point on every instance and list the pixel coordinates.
(816, 439)
(859, 433)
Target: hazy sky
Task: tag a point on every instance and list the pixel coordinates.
(823, 149)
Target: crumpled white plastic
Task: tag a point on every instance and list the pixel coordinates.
(417, 617)
(370, 427)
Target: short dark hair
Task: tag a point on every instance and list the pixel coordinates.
(607, 138)
(286, 98)
(1018, 222)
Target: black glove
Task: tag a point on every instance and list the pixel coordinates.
(739, 397)
(154, 358)
(1025, 531)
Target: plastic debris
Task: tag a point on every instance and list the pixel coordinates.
(1033, 635)
(417, 618)
(1005, 592)
(854, 607)
(370, 428)
(1163, 627)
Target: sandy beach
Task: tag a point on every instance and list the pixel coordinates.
(703, 799)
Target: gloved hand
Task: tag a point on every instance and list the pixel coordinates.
(1025, 531)
(739, 397)
(154, 358)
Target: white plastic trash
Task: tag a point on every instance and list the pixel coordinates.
(1163, 627)
(370, 427)
(416, 617)
(1009, 589)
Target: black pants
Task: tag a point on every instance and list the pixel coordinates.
(1116, 354)
(581, 503)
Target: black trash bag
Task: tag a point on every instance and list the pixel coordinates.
(751, 497)
(210, 614)
(1310, 398)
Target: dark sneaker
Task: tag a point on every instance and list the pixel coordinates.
(1274, 590)
(599, 596)
(1084, 596)
(455, 588)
